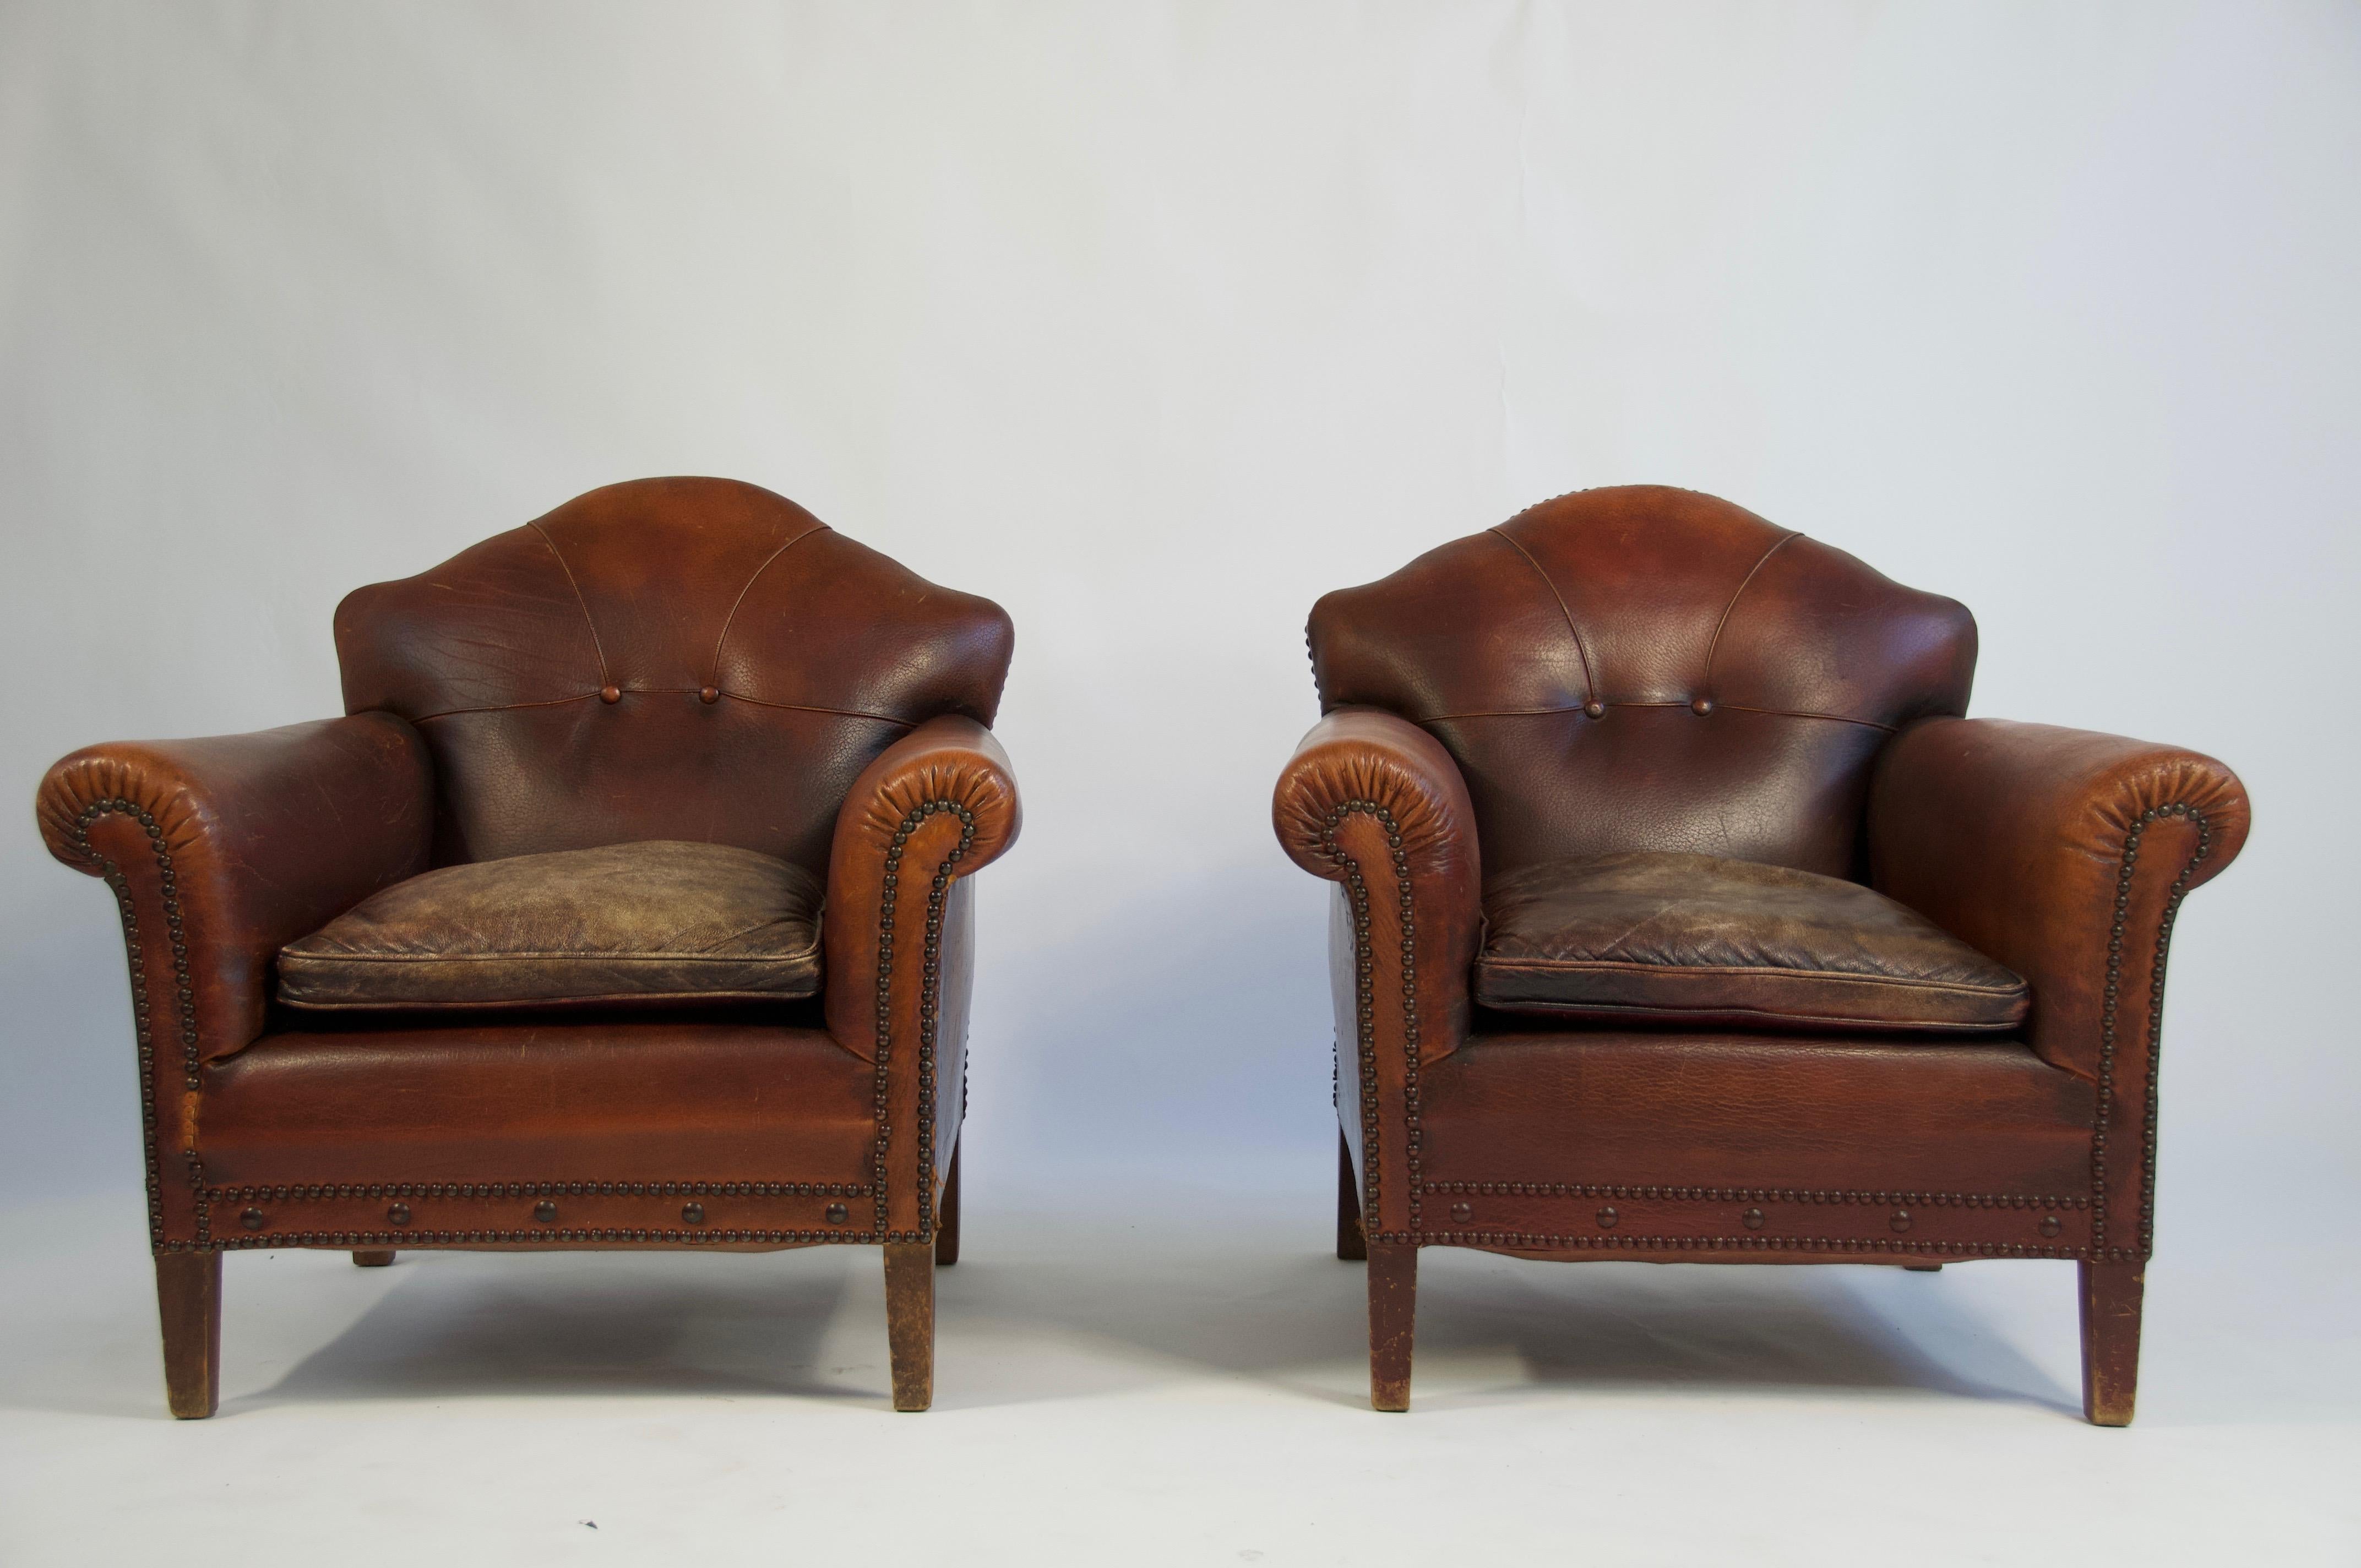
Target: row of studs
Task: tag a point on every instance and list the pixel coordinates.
(325, 1192)
(1754, 1218)
(544, 1213)
(1755, 1195)
(929, 982)
(2103, 1116)
(1521, 1241)
(142, 1025)
(400, 1239)
(1365, 999)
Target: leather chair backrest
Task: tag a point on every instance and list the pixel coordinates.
(692, 659)
(1644, 668)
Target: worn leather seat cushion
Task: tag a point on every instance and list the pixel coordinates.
(1694, 938)
(653, 922)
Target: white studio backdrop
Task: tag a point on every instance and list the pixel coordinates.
(1154, 322)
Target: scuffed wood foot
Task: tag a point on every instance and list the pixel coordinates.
(910, 1321)
(1922, 1268)
(188, 1307)
(947, 1216)
(1352, 1244)
(371, 1259)
(2111, 1295)
(1393, 1312)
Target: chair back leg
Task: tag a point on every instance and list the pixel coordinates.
(2111, 1338)
(910, 1321)
(1393, 1312)
(188, 1305)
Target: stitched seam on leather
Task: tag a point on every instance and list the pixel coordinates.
(1589, 681)
(1726, 707)
(596, 646)
(929, 980)
(185, 990)
(504, 707)
(1777, 971)
(1704, 681)
(727, 620)
(813, 707)
(2127, 865)
(506, 956)
(1365, 1011)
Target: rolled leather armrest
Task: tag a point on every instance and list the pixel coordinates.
(934, 809)
(1376, 805)
(2065, 855)
(222, 849)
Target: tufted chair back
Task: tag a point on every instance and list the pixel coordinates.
(1644, 668)
(692, 659)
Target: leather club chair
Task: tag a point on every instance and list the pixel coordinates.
(627, 906)
(1680, 917)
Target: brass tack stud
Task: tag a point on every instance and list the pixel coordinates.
(1701, 707)
(1594, 708)
(837, 1213)
(1751, 1219)
(1607, 1216)
(399, 1214)
(1901, 1220)
(252, 1219)
(707, 695)
(1462, 1212)
(610, 693)
(692, 1213)
(545, 1212)
(2051, 1224)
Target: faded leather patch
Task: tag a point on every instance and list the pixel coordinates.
(659, 921)
(1691, 938)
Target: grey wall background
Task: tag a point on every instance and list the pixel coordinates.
(1154, 322)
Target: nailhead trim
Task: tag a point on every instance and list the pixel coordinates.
(1363, 982)
(1524, 1241)
(313, 1192)
(1757, 1195)
(929, 982)
(2145, 1234)
(142, 1024)
(412, 1240)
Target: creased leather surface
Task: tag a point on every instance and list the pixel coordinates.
(1558, 656)
(570, 675)
(1692, 938)
(659, 921)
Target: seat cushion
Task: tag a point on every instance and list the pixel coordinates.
(1695, 938)
(657, 922)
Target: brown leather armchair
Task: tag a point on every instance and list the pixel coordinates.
(1768, 955)
(580, 929)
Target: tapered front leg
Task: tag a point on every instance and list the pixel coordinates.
(947, 1216)
(188, 1305)
(1393, 1309)
(910, 1321)
(2111, 1340)
(1352, 1245)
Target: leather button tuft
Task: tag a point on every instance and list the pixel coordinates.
(545, 1212)
(692, 1213)
(252, 1219)
(837, 1213)
(1461, 1214)
(1594, 708)
(1607, 1216)
(707, 694)
(398, 1215)
(1701, 707)
(610, 693)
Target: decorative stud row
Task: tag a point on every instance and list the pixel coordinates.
(1756, 1195)
(325, 1191)
(930, 975)
(1526, 1242)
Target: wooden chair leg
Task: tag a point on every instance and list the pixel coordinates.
(2111, 1336)
(1393, 1312)
(371, 1259)
(1352, 1245)
(947, 1216)
(910, 1321)
(188, 1305)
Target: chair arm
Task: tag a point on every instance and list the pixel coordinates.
(1375, 804)
(2065, 855)
(219, 852)
(934, 809)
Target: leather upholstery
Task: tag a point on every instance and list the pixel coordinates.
(1643, 668)
(681, 660)
(568, 675)
(1673, 938)
(646, 923)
